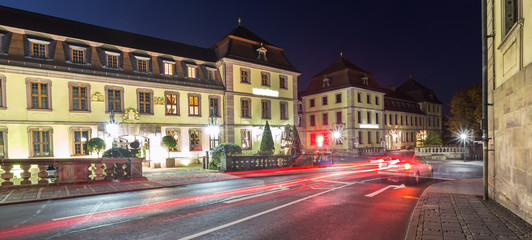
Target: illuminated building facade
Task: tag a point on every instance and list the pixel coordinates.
(345, 104)
(61, 82)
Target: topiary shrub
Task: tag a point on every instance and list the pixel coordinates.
(296, 142)
(230, 149)
(169, 143)
(96, 145)
(118, 153)
(266, 145)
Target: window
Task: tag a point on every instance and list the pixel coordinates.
(41, 143)
(377, 100)
(172, 103)
(406, 120)
(312, 103)
(359, 116)
(144, 100)
(360, 140)
(377, 140)
(368, 99)
(359, 97)
(114, 100)
(214, 108)
(142, 64)
(245, 139)
(176, 134)
(191, 71)
(79, 98)
(244, 76)
(338, 117)
(80, 139)
(325, 119)
(396, 119)
(211, 74)
(265, 79)
(3, 103)
(169, 67)
(284, 110)
(312, 120)
(415, 119)
(376, 118)
(111, 59)
(369, 137)
(338, 98)
(384, 118)
(38, 48)
(401, 120)
(193, 105)
(266, 109)
(324, 100)
(511, 15)
(40, 97)
(78, 54)
(195, 140)
(283, 82)
(368, 117)
(245, 107)
(390, 119)
(214, 140)
(3, 149)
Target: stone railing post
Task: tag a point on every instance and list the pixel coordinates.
(25, 174)
(42, 174)
(7, 175)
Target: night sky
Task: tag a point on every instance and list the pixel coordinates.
(438, 42)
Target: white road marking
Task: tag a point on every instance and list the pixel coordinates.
(93, 211)
(256, 195)
(373, 194)
(329, 181)
(259, 214)
(7, 196)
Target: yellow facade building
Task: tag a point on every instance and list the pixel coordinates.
(62, 82)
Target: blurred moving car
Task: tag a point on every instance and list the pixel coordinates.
(410, 170)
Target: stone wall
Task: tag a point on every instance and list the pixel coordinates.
(511, 172)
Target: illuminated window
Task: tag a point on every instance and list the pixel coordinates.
(172, 103)
(175, 133)
(195, 144)
(79, 98)
(114, 100)
(191, 71)
(211, 74)
(41, 143)
(78, 55)
(142, 65)
(111, 60)
(169, 68)
(194, 105)
(38, 49)
(325, 119)
(265, 79)
(214, 109)
(245, 107)
(39, 95)
(284, 110)
(244, 76)
(266, 109)
(145, 105)
(245, 142)
(80, 139)
(283, 82)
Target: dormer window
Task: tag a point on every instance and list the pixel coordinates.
(111, 59)
(39, 48)
(142, 64)
(191, 71)
(262, 53)
(169, 67)
(77, 54)
(211, 73)
(326, 82)
(365, 79)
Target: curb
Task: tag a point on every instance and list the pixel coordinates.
(411, 230)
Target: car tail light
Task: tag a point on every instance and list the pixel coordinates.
(408, 166)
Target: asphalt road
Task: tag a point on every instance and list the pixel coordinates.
(342, 202)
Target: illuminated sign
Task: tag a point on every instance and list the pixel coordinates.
(369, 125)
(265, 92)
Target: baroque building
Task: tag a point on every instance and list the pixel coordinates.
(347, 106)
(509, 118)
(63, 82)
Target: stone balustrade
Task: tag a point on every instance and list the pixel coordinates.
(41, 171)
(244, 163)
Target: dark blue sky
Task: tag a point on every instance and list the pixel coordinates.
(438, 42)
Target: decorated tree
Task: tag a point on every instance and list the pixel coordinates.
(266, 145)
(96, 145)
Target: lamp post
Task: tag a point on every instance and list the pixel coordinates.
(463, 136)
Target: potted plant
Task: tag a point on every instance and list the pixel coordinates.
(96, 145)
(169, 143)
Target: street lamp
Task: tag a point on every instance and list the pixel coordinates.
(213, 129)
(463, 137)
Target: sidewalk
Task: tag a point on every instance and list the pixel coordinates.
(455, 210)
(155, 178)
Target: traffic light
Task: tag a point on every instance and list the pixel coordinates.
(319, 140)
